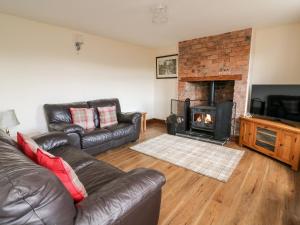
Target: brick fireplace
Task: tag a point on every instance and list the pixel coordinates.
(222, 58)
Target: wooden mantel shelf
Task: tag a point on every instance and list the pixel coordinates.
(212, 78)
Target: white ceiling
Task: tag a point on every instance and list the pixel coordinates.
(130, 20)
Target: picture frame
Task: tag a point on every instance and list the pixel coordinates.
(167, 66)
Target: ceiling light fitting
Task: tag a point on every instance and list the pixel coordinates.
(160, 14)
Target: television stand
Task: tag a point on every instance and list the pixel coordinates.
(273, 138)
(287, 122)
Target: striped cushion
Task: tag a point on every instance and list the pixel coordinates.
(57, 165)
(83, 117)
(28, 146)
(108, 116)
(64, 173)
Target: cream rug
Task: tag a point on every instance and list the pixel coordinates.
(205, 158)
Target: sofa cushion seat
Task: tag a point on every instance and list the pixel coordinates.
(121, 130)
(94, 137)
(76, 158)
(91, 172)
(97, 174)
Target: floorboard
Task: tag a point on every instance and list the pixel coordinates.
(261, 190)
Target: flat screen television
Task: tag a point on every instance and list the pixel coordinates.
(276, 102)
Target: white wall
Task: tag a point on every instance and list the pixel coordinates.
(164, 89)
(39, 64)
(276, 55)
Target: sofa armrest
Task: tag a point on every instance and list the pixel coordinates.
(52, 140)
(120, 198)
(66, 128)
(132, 117)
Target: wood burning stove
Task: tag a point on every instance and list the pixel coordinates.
(212, 120)
(203, 118)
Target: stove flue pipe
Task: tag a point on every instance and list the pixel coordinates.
(186, 115)
(211, 100)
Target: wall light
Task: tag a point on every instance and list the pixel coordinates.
(78, 42)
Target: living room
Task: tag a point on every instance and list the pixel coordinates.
(174, 64)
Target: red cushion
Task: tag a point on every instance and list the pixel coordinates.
(83, 117)
(64, 172)
(108, 116)
(28, 146)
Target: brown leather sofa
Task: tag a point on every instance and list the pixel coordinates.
(30, 194)
(94, 141)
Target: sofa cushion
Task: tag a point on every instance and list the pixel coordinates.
(121, 130)
(107, 116)
(83, 117)
(97, 174)
(57, 113)
(76, 158)
(28, 146)
(103, 103)
(64, 173)
(95, 137)
(91, 172)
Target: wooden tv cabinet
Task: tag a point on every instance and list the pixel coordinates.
(275, 139)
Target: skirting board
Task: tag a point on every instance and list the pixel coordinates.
(156, 121)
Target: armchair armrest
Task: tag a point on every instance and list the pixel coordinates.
(52, 140)
(66, 128)
(132, 117)
(116, 200)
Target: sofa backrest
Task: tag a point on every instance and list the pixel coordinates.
(30, 194)
(60, 113)
(102, 103)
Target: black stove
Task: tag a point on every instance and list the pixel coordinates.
(203, 118)
(213, 120)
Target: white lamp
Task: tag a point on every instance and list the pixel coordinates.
(8, 119)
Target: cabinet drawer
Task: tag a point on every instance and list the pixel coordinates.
(265, 139)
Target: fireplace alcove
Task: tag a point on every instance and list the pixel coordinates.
(208, 116)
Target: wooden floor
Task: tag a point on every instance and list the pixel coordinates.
(261, 191)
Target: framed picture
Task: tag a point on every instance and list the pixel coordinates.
(166, 66)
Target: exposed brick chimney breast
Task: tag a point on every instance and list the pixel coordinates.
(219, 55)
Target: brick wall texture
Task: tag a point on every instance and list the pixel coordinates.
(224, 54)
